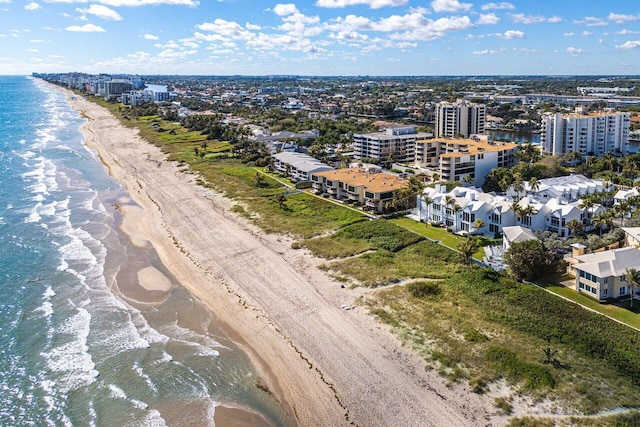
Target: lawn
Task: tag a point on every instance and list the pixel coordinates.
(445, 237)
(618, 311)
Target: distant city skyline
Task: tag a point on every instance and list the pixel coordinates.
(320, 37)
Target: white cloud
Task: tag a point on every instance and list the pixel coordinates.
(621, 19)
(521, 18)
(631, 44)
(150, 37)
(625, 32)
(591, 21)
(101, 12)
(251, 27)
(87, 28)
(227, 29)
(32, 6)
(134, 3)
(33, 50)
(435, 29)
(485, 52)
(586, 33)
(285, 9)
(574, 50)
(299, 24)
(602, 41)
(512, 34)
(449, 6)
(569, 34)
(487, 19)
(497, 6)
(373, 4)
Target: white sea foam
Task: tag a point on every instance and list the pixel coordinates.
(46, 309)
(145, 377)
(116, 392)
(153, 419)
(72, 360)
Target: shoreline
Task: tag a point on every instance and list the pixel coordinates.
(327, 366)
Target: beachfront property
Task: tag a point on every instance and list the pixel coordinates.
(298, 166)
(394, 144)
(370, 188)
(460, 208)
(602, 274)
(459, 119)
(456, 158)
(570, 187)
(586, 133)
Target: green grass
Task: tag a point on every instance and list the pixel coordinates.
(360, 237)
(422, 260)
(623, 314)
(435, 233)
(458, 335)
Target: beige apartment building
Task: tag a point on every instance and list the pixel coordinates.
(370, 188)
(456, 158)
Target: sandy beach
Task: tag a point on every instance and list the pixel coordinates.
(327, 365)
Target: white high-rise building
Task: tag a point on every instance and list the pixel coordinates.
(593, 134)
(460, 119)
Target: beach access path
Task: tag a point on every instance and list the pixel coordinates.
(329, 366)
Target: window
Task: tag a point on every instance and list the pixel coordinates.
(622, 291)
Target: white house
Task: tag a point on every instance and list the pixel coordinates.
(602, 274)
(460, 208)
(516, 234)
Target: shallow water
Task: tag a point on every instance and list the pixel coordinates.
(81, 342)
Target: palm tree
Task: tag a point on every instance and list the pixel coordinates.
(478, 224)
(467, 247)
(587, 203)
(602, 220)
(534, 185)
(518, 184)
(426, 200)
(575, 226)
(467, 180)
(455, 209)
(633, 277)
(527, 212)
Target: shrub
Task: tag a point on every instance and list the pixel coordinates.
(423, 289)
(475, 336)
(506, 362)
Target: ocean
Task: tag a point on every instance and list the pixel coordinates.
(80, 344)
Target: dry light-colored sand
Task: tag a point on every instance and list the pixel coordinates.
(329, 366)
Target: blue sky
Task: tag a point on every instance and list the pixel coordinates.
(320, 37)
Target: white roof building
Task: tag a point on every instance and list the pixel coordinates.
(298, 166)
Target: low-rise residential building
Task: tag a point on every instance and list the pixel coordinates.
(516, 234)
(298, 166)
(602, 274)
(459, 209)
(457, 158)
(370, 188)
(570, 187)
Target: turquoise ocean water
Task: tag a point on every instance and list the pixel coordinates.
(72, 351)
